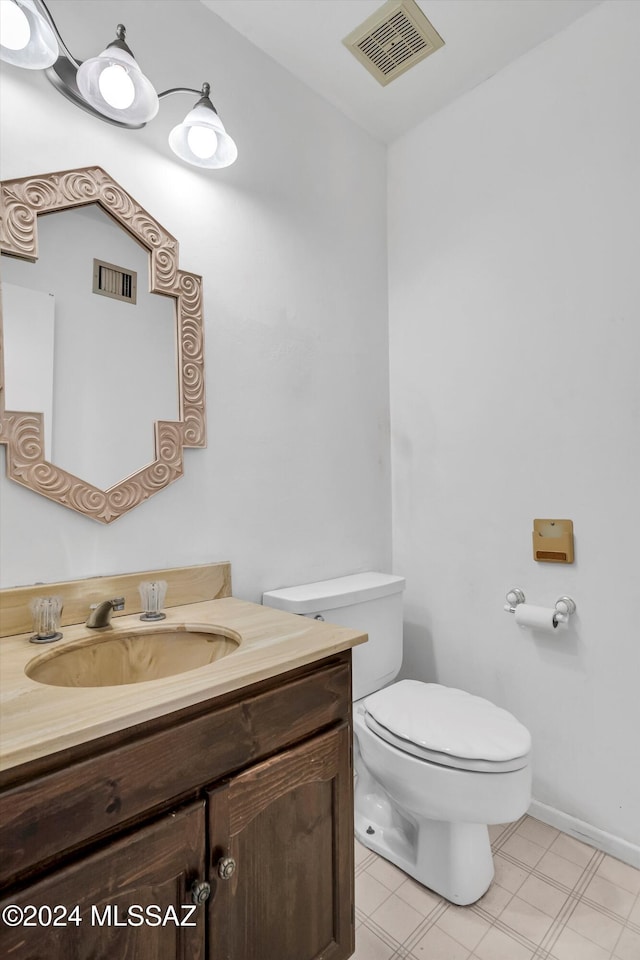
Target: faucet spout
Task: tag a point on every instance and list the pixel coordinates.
(100, 615)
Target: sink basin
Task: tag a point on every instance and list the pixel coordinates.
(120, 657)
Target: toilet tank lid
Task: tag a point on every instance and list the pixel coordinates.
(329, 594)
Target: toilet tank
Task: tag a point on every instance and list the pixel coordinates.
(371, 602)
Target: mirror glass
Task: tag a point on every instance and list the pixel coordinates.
(101, 368)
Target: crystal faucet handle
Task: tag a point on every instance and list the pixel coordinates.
(152, 594)
(46, 612)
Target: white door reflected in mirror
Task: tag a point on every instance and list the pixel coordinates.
(28, 319)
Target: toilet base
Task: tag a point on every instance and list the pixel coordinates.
(452, 859)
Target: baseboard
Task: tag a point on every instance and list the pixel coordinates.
(616, 846)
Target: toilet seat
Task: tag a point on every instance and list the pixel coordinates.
(447, 726)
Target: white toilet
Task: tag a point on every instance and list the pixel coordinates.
(434, 765)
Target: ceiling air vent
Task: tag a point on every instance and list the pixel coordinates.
(392, 40)
(114, 282)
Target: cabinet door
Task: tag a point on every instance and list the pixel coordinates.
(287, 823)
(153, 867)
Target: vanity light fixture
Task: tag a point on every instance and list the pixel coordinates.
(110, 86)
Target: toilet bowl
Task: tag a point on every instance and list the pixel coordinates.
(435, 765)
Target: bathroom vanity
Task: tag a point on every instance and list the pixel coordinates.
(203, 815)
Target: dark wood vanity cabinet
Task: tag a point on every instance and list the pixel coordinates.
(90, 908)
(250, 794)
(286, 825)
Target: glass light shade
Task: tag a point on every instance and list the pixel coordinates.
(188, 139)
(114, 85)
(26, 38)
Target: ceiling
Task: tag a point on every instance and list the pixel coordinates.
(481, 37)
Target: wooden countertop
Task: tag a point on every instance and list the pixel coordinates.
(37, 719)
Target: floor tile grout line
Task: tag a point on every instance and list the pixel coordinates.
(429, 921)
(590, 871)
(426, 923)
(401, 954)
(361, 915)
(377, 906)
(484, 914)
(540, 843)
(382, 934)
(618, 939)
(535, 872)
(611, 914)
(566, 911)
(529, 868)
(598, 907)
(364, 864)
(520, 938)
(553, 882)
(541, 953)
(506, 834)
(627, 925)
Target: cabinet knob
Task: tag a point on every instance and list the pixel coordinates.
(226, 868)
(200, 891)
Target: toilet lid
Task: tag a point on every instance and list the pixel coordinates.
(427, 718)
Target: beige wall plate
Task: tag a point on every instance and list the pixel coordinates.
(553, 541)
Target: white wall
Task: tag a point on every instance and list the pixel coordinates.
(294, 484)
(514, 230)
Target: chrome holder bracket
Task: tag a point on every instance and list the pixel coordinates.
(513, 598)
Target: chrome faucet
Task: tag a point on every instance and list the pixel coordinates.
(100, 615)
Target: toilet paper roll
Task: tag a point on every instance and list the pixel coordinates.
(542, 618)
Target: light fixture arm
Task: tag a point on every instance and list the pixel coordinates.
(167, 93)
(43, 8)
(118, 42)
(204, 94)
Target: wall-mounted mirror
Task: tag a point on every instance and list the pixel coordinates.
(103, 374)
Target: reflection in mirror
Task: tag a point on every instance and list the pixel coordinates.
(127, 357)
(114, 361)
(28, 328)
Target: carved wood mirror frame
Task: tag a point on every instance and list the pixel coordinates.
(21, 201)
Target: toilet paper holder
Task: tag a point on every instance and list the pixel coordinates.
(564, 606)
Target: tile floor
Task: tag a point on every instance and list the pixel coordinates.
(553, 898)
